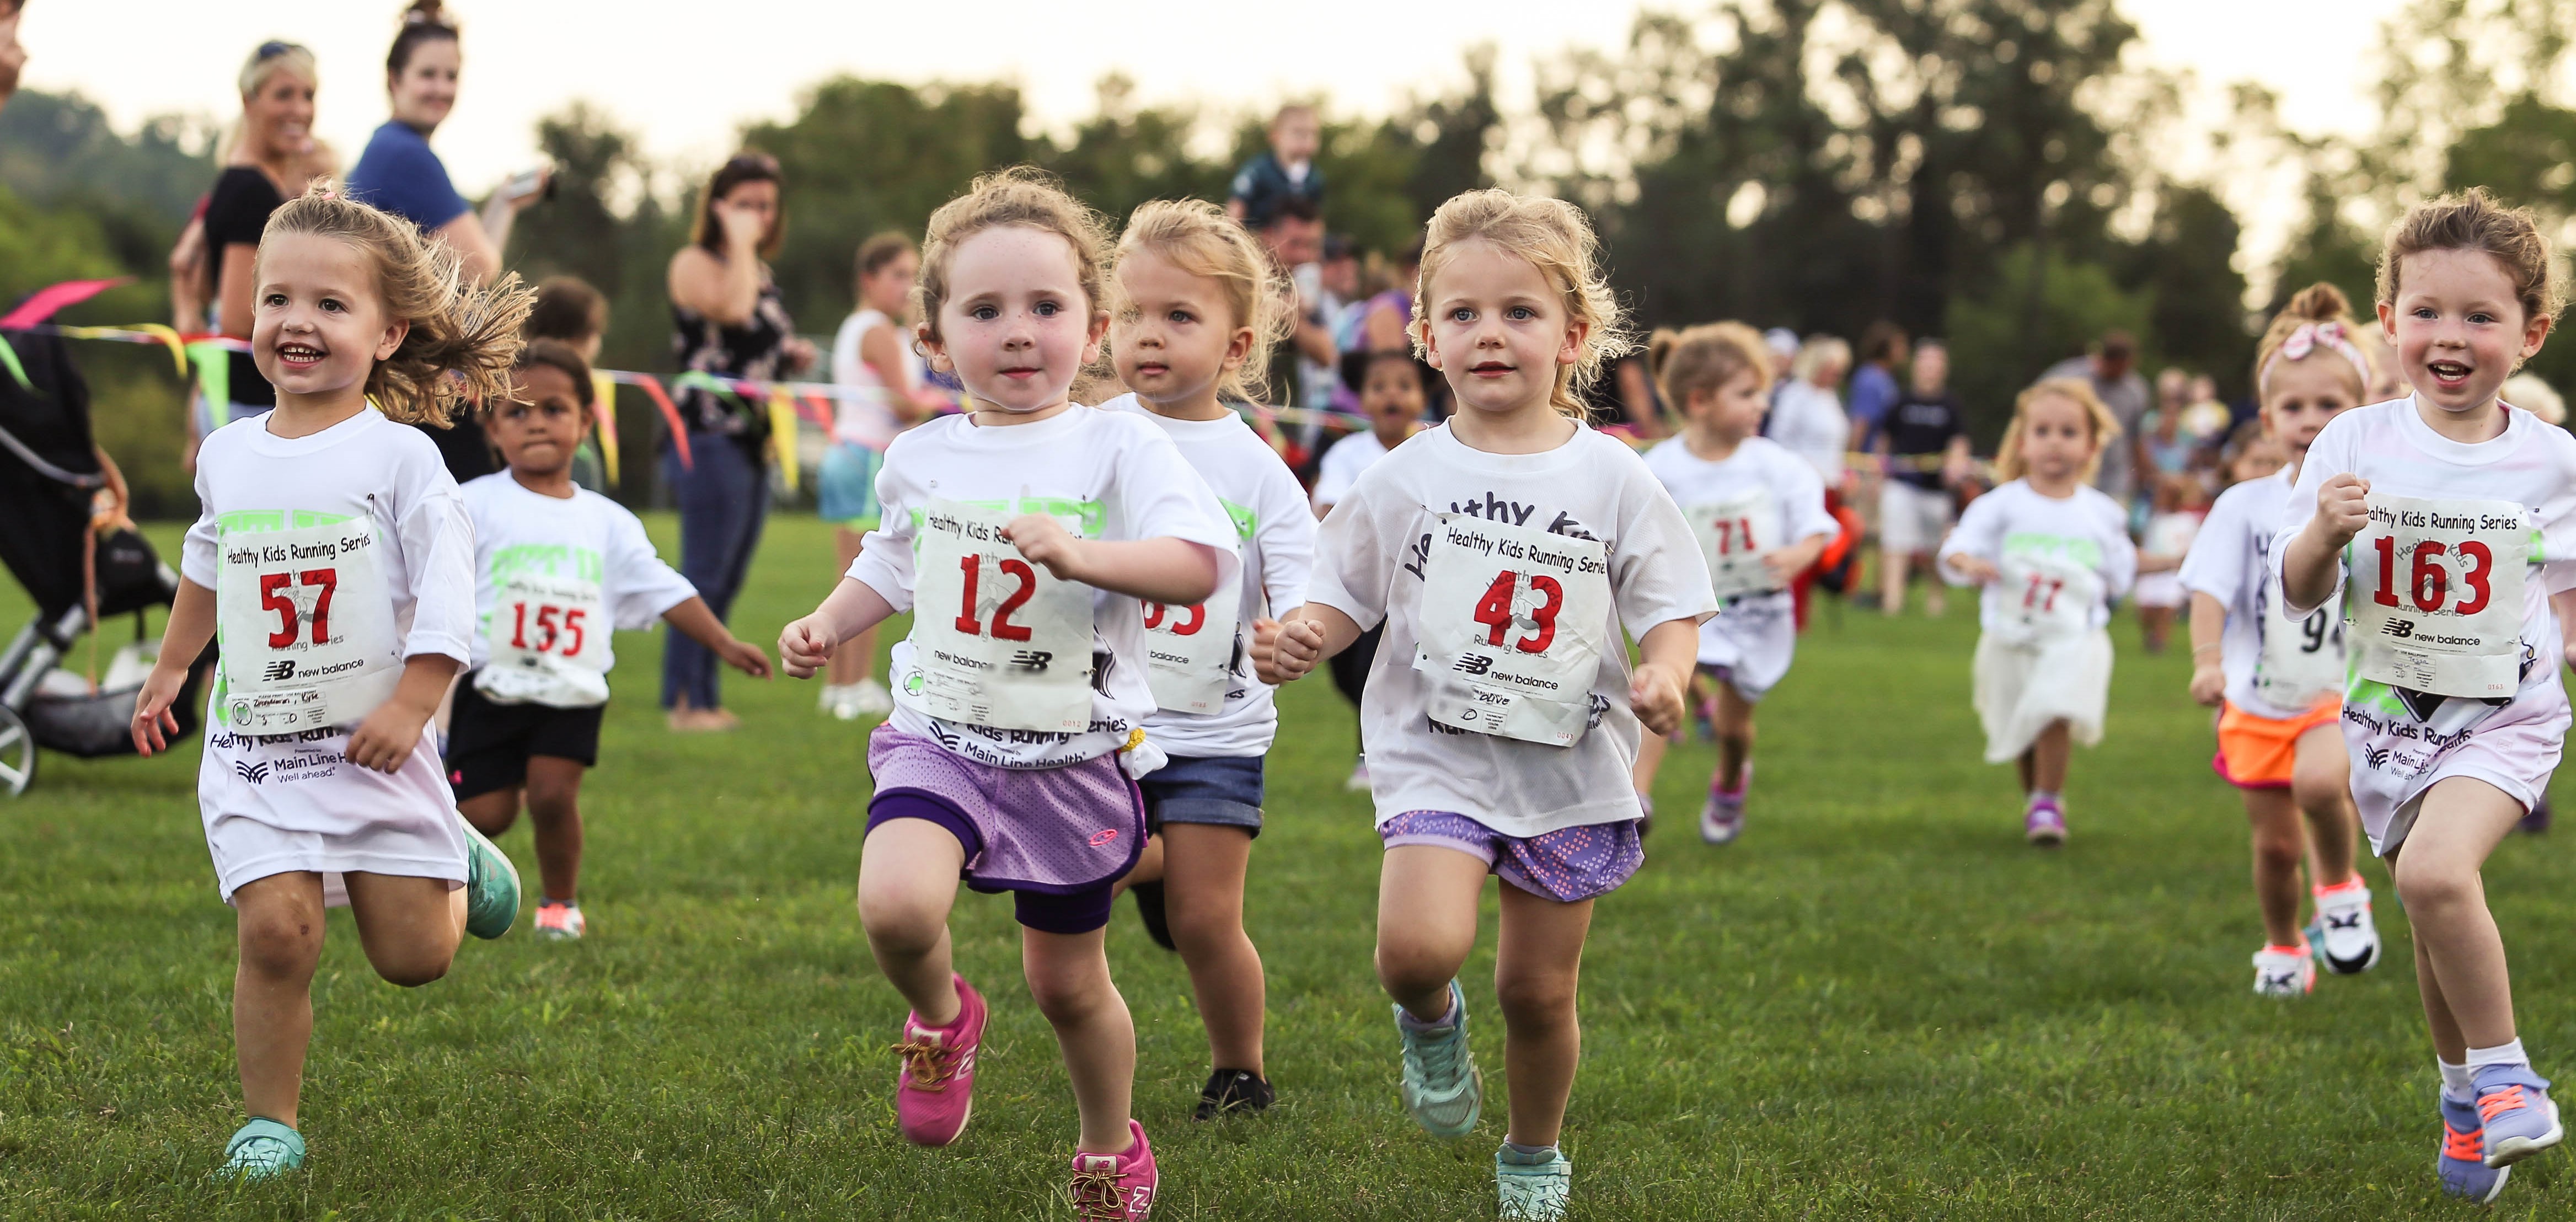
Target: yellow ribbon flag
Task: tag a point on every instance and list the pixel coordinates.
(603, 404)
(782, 433)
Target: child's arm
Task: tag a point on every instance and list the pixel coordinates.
(2208, 623)
(853, 607)
(1786, 563)
(1165, 570)
(1286, 648)
(2308, 565)
(2152, 562)
(389, 735)
(191, 625)
(2563, 603)
(1967, 557)
(1668, 653)
(699, 621)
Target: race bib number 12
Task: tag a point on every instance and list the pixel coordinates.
(308, 628)
(1512, 627)
(996, 640)
(2436, 599)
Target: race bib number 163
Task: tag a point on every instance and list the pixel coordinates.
(2437, 589)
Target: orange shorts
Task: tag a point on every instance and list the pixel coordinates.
(2261, 753)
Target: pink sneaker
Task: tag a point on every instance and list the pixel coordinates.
(1116, 1187)
(935, 1092)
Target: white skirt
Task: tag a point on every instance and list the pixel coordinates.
(1752, 642)
(294, 803)
(2022, 688)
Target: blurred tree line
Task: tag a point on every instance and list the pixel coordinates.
(1996, 172)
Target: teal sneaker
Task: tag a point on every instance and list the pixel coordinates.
(261, 1149)
(1533, 1186)
(491, 886)
(1442, 1087)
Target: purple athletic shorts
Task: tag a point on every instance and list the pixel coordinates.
(1566, 865)
(1053, 831)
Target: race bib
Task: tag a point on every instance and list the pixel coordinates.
(1734, 534)
(996, 640)
(549, 639)
(308, 628)
(1191, 652)
(2436, 598)
(1511, 629)
(2047, 597)
(2302, 659)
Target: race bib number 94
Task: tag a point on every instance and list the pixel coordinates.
(2437, 588)
(308, 628)
(1512, 627)
(996, 640)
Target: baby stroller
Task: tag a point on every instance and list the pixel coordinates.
(54, 484)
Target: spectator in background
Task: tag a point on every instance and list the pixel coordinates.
(1342, 307)
(1294, 236)
(2112, 369)
(268, 148)
(13, 55)
(1874, 387)
(1924, 439)
(2206, 419)
(1807, 413)
(1284, 172)
(400, 174)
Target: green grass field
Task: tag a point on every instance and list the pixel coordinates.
(1879, 1004)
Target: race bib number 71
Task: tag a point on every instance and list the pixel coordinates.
(2437, 589)
(1512, 627)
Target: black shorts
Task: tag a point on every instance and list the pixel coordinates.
(488, 744)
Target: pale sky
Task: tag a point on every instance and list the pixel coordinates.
(687, 75)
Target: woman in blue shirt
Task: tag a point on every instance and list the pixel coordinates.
(400, 174)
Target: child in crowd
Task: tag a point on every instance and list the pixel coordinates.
(1283, 172)
(2442, 520)
(2276, 681)
(1392, 396)
(556, 567)
(880, 375)
(1503, 552)
(1029, 533)
(2177, 501)
(1759, 512)
(334, 560)
(571, 313)
(1198, 308)
(1923, 439)
(2052, 553)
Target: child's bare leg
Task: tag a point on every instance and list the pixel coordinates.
(554, 805)
(1734, 737)
(2461, 822)
(1537, 963)
(409, 926)
(1426, 924)
(851, 661)
(492, 812)
(2279, 845)
(279, 920)
(1891, 580)
(907, 882)
(1069, 977)
(2321, 785)
(1651, 749)
(1149, 865)
(2154, 623)
(1203, 895)
(2048, 758)
(2448, 1044)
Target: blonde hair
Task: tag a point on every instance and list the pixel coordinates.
(462, 340)
(1704, 357)
(1819, 351)
(258, 68)
(2317, 303)
(2528, 392)
(2105, 427)
(2473, 220)
(1201, 240)
(1020, 195)
(1557, 239)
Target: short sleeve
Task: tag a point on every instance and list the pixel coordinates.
(2555, 521)
(237, 210)
(2215, 565)
(1657, 574)
(885, 554)
(400, 174)
(1979, 533)
(1286, 537)
(1355, 548)
(2119, 555)
(437, 535)
(642, 587)
(2331, 455)
(1803, 501)
(198, 551)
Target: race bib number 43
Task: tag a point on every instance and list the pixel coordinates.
(996, 640)
(308, 628)
(2437, 588)
(1512, 627)
(1734, 534)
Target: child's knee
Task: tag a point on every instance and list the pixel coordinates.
(1528, 997)
(280, 945)
(1068, 992)
(2279, 848)
(1406, 966)
(414, 968)
(552, 802)
(2427, 881)
(900, 921)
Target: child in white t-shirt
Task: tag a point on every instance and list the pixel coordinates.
(1027, 536)
(1504, 551)
(2444, 521)
(2052, 554)
(2179, 502)
(1759, 513)
(1198, 309)
(556, 568)
(1391, 392)
(2276, 681)
(334, 561)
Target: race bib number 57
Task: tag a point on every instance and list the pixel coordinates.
(308, 628)
(1512, 627)
(2437, 588)
(996, 640)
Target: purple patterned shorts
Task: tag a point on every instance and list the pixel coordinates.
(1566, 865)
(1049, 830)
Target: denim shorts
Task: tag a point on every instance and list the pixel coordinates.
(845, 489)
(1219, 789)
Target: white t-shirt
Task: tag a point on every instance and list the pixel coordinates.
(1760, 471)
(1277, 533)
(1343, 462)
(863, 418)
(1810, 421)
(1116, 475)
(2167, 535)
(1370, 561)
(586, 544)
(2230, 561)
(2014, 525)
(250, 483)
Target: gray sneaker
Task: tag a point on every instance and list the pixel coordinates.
(1442, 1087)
(1533, 1191)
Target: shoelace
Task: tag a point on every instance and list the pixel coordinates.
(1097, 1196)
(2281, 980)
(2467, 1147)
(1439, 1055)
(2350, 920)
(2495, 1103)
(930, 1063)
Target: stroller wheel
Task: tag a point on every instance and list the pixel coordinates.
(17, 754)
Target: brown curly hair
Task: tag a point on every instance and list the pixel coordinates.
(1021, 195)
(2474, 220)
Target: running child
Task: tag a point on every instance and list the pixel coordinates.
(1392, 396)
(2052, 553)
(334, 561)
(1759, 513)
(2441, 520)
(1504, 551)
(1198, 308)
(556, 567)
(2178, 502)
(2276, 681)
(1029, 532)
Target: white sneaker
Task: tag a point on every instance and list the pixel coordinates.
(2284, 973)
(1359, 782)
(2346, 939)
(871, 698)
